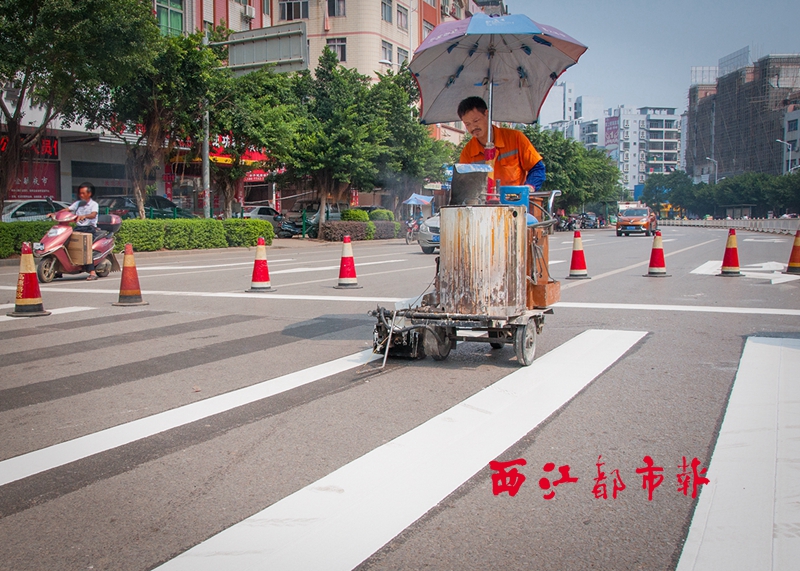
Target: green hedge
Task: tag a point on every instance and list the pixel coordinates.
(381, 214)
(369, 234)
(246, 231)
(380, 230)
(355, 215)
(385, 230)
(13, 234)
(153, 235)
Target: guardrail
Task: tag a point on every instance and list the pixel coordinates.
(772, 225)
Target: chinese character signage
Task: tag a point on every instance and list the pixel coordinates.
(35, 180)
(45, 149)
(612, 131)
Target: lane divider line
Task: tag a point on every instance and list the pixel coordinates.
(688, 308)
(747, 515)
(57, 311)
(31, 463)
(340, 520)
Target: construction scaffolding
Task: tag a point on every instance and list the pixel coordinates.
(737, 120)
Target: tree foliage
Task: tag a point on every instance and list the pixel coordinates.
(65, 56)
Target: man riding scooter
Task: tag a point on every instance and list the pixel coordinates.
(52, 252)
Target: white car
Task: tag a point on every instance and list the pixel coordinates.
(428, 235)
(27, 210)
(263, 213)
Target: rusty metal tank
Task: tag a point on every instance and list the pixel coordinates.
(482, 261)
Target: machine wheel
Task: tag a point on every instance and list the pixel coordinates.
(438, 351)
(103, 268)
(525, 342)
(495, 344)
(46, 269)
(427, 249)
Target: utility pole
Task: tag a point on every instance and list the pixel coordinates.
(788, 155)
(716, 169)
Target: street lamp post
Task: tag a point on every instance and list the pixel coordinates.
(716, 169)
(788, 154)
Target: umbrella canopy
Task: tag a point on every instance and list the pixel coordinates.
(518, 57)
(418, 200)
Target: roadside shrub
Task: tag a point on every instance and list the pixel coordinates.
(355, 215)
(143, 235)
(370, 233)
(335, 231)
(13, 234)
(398, 229)
(245, 231)
(381, 214)
(193, 234)
(384, 230)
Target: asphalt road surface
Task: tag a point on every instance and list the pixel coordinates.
(216, 429)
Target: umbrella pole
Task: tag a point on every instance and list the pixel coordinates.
(489, 151)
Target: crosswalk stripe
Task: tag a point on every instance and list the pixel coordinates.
(748, 516)
(688, 308)
(56, 311)
(59, 454)
(340, 520)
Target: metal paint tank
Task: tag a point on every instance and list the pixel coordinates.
(482, 260)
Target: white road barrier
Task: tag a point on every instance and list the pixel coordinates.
(773, 225)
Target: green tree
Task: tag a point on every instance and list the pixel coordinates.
(65, 56)
(339, 137)
(163, 106)
(254, 111)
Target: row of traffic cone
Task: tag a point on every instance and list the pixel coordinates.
(658, 266)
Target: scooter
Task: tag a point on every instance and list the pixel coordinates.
(53, 258)
(412, 229)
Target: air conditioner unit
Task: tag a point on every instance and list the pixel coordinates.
(249, 12)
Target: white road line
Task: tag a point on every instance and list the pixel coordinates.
(59, 454)
(556, 262)
(173, 267)
(328, 268)
(223, 294)
(340, 520)
(687, 308)
(772, 271)
(631, 267)
(57, 311)
(333, 279)
(748, 516)
(6, 305)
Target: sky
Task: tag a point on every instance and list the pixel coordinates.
(641, 52)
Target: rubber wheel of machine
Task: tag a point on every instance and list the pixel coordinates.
(46, 269)
(437, 351)
(525, 343)
(103, 268)
(495, 344)
(427, 249)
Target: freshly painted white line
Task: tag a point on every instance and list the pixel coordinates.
(748, 516)
(250, 263)
(577, 283)
(669, 239)
(687, 308)
(556, 262)
(223, 294)
(328, 268)
(56, 311)
(340, 520)
(6, 305)
(771, 271)
(59, 454)
(767, 240)
(335, 278)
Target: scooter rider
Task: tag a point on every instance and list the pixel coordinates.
(87, 210)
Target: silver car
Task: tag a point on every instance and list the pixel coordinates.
(428, 235)
(27, 210)
(263, 213)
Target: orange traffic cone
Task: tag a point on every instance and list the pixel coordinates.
(658, 267)
(260, 281)
(347, 269)
(793, 267)
(730, 262)
(129, 291)
(577, 268)
(29, 298)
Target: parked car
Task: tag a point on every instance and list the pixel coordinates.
(428, 235)
(264, 213)
(27, 210)
(154, 206)
(637, 221)
(292, 221)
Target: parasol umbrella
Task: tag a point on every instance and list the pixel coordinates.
(510, 61)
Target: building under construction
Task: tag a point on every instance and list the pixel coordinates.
(734, 122)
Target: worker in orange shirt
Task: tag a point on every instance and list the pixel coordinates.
(517, 162)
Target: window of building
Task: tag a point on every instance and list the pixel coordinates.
(402, 55)
(335, 9)
(431, 2)
(402, 17)
(626, 123)
(293, 9)
(792, 125)
(386, 51)
(386, 10)
(339, 47)
(641, 178)
(169, 14)
(265, 6)
(626, 146)
(427, 28)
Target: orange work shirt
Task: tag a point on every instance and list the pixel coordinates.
(516, 156)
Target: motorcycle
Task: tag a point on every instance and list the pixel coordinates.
(412, 229)
(53, 260)
(290, 229)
